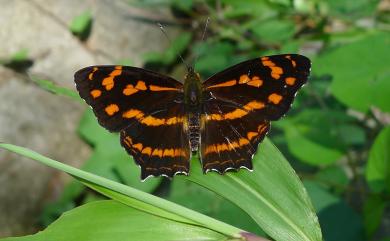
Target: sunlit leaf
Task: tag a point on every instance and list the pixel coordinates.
(110, 220)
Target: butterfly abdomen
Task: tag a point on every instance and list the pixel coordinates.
(194, 130)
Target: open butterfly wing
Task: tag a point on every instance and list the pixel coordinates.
(146, 107)
(239, 103)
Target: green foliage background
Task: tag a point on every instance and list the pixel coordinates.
(336, 136)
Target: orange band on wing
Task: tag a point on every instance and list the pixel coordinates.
(237, 113)
(224, 84)
(161, 88)
(150, 120)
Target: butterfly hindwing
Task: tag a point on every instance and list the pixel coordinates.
(146, 108)
(239, 104)
(159, 143)
(229, 143)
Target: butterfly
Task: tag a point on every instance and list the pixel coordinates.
(163, 122)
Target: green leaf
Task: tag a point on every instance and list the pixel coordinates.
(21, 55)
(361, 77)
(305, 149)
(340, 222)
(272, 195)
(320, 197)
(378, 164)
(320, 137)
(235, 9)
(125, 62)
(110, 160)
(170, 55)
(202, 200)
(131, 196)
(373, 210)
(55, 89)
(273, 31)
(184, 5)
(333, 177)
(90, 130)
(213, 57)
(110, 220)
(352, 9)
(81, 24)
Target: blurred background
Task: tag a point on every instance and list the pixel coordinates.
(336, 136)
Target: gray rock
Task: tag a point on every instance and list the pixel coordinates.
(41, 121)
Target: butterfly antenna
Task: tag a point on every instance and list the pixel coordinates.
(170, 43)
(203, 36)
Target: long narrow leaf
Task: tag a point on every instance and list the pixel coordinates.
(110, 220)
(176, 211)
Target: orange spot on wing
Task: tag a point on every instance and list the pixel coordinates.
(129, 90)
(147, 151)
(161, 88)
(243, 141)
(252, 134)
(294, 64)
(275, 70)
(140, 85)
(254, 105)
(138, 146)
(237, 113)
(256, 82)
(292, 61)
(224, 84)
(111, 109)
(152, 121)
(133, 113)
(290, 80)
(275, 98)
(244, 79)
(108, 82)
(95, 93)
(90, 76)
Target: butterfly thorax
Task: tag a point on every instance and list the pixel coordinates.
(192, 100)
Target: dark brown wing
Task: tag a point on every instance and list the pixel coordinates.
(145, 107)
(239, 104)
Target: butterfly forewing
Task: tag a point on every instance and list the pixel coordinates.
(111, 91)
(239, 103)
(146, 107)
